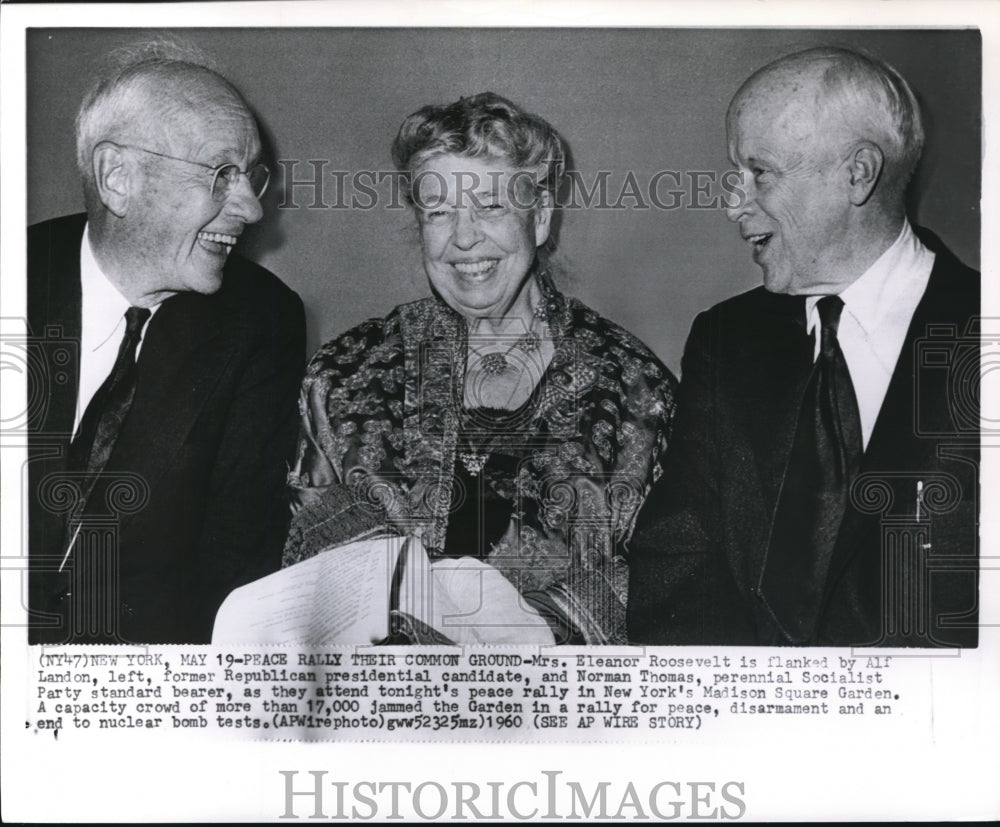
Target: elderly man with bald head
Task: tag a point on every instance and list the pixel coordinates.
(158, 457)
(821, 486)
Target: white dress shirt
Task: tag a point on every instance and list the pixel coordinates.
(878, 308)
(102, 325)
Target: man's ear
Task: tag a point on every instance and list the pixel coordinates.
(865, 165)
(111, 177)
(543, 218)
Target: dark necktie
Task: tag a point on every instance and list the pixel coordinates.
(103, 418)
(814, 493)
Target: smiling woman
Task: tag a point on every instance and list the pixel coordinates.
(498, 419)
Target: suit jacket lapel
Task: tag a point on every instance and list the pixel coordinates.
(771, 372)
(54, 300)
(896, 443)
(178, 368)
(777, 392)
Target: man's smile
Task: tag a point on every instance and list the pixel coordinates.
(217, 242)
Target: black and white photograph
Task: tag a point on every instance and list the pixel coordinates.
(404, 417)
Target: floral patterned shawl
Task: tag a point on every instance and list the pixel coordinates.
(381, 406)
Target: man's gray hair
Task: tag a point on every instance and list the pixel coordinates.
(116, 105)
(873, 101)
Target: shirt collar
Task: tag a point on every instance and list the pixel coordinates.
(103, 306)
(874, 293)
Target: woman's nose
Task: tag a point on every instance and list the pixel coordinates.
(466, 232)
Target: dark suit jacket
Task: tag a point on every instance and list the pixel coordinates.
(190, 504)
(698, 547)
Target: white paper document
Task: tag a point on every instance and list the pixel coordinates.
(344, 596)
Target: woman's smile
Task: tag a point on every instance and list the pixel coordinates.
(476, 269)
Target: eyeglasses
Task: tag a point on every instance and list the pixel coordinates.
(225, 177)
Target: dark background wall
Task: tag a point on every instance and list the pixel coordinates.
(639, 100)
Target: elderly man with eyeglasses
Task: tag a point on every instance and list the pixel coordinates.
(164, 409)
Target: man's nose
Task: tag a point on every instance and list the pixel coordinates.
(243, 203)
(466, 232)
(739, 197)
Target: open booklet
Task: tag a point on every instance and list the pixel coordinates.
(380, 589)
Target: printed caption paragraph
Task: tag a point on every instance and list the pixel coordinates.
(431, 694)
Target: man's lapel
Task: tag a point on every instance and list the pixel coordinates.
(183, 356)
(54, 300)
(773, 359)
(782, 361)
(915, 410)
(53, 351)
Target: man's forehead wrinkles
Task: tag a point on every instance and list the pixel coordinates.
(210, 139)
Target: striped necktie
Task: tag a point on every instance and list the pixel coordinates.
(102, 421)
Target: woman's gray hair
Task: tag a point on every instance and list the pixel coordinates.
(117, 104)
(482, 126)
